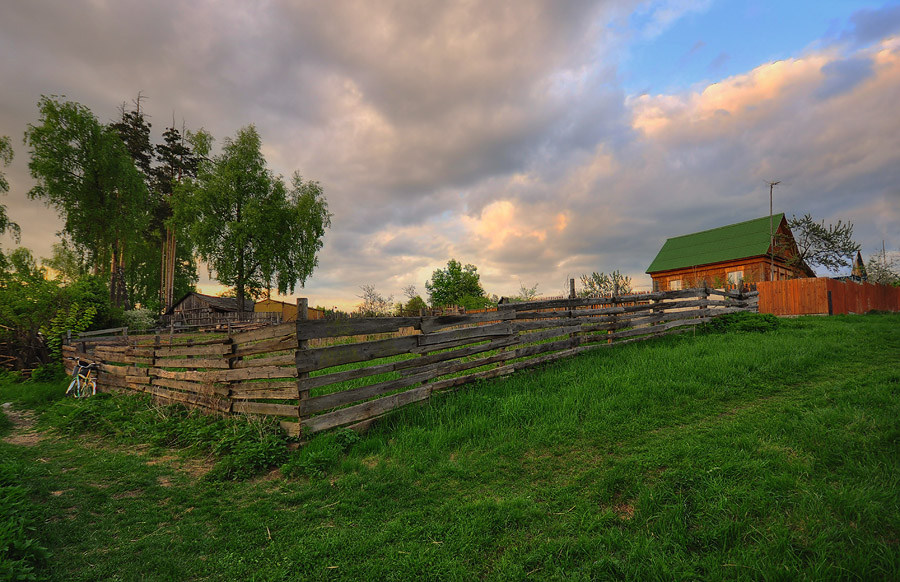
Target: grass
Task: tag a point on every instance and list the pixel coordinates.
(740, 456)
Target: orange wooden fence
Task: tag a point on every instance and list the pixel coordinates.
(825, 297)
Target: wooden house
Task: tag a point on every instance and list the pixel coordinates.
(729, 256)
(199, 309)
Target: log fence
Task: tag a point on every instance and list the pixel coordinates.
(307, 375)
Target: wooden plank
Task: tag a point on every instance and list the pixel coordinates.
(218, 349)
(110, 331)
(288, 393)
(291, 428)
(481, 333)
(264, 333)
(189, 375)
(527, 325)
(288, 342)
(282, 360)
(321, 328)
(253, 373)
(215, 404)
(137, 379)
(319, 358)
(121, 358)
(124, 370)
(127, 350)
(365, 410)
(263, 385)
(196, 363)
(320, 403)
(437, 323)
(265, 408)
(326, 379)
(194, 387)
(537, 336)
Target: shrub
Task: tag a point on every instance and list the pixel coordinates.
(743, 322)
(53, 372)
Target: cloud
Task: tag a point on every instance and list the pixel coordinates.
(843, 75)
(872, 25)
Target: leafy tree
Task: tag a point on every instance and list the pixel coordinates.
(414, 306)
(66, 262)
(884, 268)
(831, 246)
(254, 232)
(374, 303)
(36, 311)
(84, 170)
(6, 156)
(600, 284)
(456, 285)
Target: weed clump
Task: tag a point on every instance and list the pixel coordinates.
(743, 322)
(320, 454)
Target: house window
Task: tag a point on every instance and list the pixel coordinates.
(735, 277)
(675, 285)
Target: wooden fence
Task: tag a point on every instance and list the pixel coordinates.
(825, 297)
(313, 376)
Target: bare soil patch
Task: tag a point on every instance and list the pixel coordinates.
(23, 432)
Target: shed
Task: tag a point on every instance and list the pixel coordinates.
(199, 309)
(729, 256)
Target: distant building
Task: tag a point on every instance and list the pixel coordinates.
(199, 309)
(288, 311)
(728, 256)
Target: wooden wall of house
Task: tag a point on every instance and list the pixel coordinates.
(755, 269)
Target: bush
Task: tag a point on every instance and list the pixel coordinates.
(743, 322)
(53, 372)
(141, 319)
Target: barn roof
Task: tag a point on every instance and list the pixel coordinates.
(218, 303)
(726, 243)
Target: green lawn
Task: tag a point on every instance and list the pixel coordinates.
(738, 456)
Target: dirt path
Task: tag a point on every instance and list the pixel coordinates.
(23, 432)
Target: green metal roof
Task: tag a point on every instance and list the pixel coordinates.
(726, 243)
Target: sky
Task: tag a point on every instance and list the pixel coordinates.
(537, 140)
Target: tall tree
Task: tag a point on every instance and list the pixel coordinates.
(84, 170)
(176, 163)
(830, 246)
(254, 232)
(456, 285)
(6, 156)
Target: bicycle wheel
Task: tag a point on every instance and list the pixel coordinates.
(72, 390)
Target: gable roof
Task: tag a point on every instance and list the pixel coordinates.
(736, 241)
(217, 303)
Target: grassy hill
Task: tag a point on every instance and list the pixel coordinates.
(712, 456)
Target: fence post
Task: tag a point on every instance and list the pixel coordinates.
(571, 288)
(302, 390)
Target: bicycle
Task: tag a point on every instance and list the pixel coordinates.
(84, 379)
